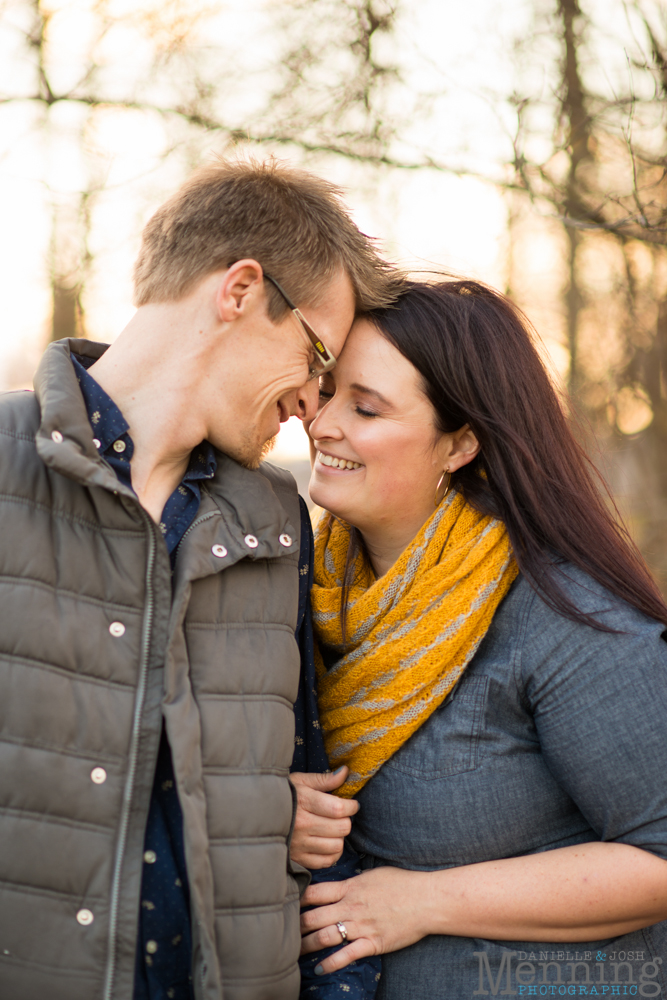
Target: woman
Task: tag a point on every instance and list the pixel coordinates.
(494, 672)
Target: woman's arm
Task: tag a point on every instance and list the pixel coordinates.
(580, 893)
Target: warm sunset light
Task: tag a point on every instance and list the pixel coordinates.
(448, 132)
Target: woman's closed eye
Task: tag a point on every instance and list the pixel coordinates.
(325, 396)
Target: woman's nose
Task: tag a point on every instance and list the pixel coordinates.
(324, 425)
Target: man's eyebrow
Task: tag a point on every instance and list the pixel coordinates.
(371, 392)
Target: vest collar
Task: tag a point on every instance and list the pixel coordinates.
(237, 504)
(240, 517)
(64, 438)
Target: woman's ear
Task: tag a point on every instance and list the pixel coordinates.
(463, 446)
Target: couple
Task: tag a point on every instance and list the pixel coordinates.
(487, 677)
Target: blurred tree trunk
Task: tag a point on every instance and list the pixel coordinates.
(577, 129)
(642, 459)
(66, 316)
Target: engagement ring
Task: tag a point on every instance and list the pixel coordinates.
(343, 930)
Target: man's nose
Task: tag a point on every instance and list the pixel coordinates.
(307, 400)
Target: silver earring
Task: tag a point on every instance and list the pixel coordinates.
(440, 493)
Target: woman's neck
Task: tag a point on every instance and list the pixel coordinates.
(385, 544)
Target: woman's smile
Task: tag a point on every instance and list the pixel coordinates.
(335, 462)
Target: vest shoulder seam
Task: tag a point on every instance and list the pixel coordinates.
(33, 890)
(17, 435)
(32, 661)
(50, 818)
(66, 516)
(27, 581)
(41, 746)
(223, 626)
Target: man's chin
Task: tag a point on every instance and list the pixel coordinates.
(268, 447)
(249, 453)
(254, 461)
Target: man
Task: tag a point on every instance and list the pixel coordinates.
(149, 575)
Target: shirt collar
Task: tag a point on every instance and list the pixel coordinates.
(202, 464)
(107, 421)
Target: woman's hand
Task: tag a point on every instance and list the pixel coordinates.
(382, 910)
(322, 820)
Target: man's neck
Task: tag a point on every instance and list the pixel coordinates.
(155, 384)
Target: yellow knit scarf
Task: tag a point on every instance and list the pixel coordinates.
(409, 635)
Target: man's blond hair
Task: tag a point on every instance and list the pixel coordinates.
(291, 222)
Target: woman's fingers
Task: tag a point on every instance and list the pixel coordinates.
(319, 826)
(322, 893)
(317, 861)
(316, 928)
(360, 948)
(322, 845)
(319, 853)
(326, 937)
(322, 820)
(314, 794)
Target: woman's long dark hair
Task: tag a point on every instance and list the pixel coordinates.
(479, 366)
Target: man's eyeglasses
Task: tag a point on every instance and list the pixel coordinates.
(324, 360)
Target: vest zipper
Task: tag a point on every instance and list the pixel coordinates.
(146, 629)
(197, 520)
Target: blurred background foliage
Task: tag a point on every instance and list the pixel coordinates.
(523, 142)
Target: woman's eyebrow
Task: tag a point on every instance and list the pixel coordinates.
(370, 392)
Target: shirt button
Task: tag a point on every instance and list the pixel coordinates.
(151, 947)
(57, 437)
(85, 917)
(285, 540)
(119, 446)
(150, 857)
(98, 775)
(117, 629)
(220, 551)
(251, 541)
(97, 443)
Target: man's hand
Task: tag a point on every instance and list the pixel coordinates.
(322, 820)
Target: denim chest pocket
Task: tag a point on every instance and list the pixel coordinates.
(448, 742)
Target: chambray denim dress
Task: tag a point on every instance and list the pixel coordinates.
(555, 735)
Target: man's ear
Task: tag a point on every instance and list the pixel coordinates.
(241, 286)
